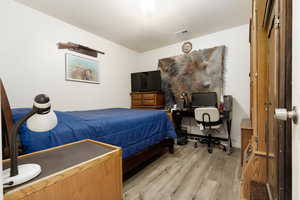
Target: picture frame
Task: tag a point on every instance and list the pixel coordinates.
(81, 69)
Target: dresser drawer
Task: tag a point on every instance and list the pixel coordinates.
(149, 96)
(137, 102)
(149, 102)
(136, 96)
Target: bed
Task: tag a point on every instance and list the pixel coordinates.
(141, 133)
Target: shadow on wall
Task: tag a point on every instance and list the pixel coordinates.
(238, 113)
(225, 60)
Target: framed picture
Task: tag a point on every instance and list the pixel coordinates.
(82, 69)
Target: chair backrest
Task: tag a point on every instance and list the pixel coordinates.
(207, 114)
(202, 99)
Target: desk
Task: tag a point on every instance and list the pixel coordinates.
(85, 170)
(177, 116)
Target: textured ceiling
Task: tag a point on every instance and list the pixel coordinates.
(142, 25)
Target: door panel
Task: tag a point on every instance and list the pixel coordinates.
(272, 100)
(273, 55)
(296, 99)
(278, 24)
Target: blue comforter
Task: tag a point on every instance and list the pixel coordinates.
(133, 130)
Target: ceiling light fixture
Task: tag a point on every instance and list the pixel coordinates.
(148, 7)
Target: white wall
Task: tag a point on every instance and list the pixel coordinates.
(31, 63)
(236, 68)
(296, 101)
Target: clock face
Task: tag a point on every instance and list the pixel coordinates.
(187, 47)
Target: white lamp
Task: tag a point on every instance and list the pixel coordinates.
(40, 119)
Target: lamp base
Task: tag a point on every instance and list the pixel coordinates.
(26, 173)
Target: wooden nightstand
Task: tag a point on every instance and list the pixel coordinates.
(85, 170)
(246, 135)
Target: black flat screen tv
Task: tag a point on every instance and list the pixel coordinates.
(146, 81)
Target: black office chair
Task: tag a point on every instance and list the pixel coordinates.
(207, 114)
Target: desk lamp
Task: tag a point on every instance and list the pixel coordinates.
(40, 119)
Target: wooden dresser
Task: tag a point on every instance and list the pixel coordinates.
(85, 170)
(147, 100)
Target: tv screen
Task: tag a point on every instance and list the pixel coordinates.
(146, 81)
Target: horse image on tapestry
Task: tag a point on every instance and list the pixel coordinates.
(199, 71)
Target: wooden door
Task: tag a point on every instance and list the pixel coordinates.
(278, 96)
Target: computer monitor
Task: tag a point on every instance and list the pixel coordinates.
(202, 99)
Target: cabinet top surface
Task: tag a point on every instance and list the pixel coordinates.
(63, 157)
(149, 92)
(246, 124)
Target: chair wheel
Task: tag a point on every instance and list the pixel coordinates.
(210, 150)
(224, 148)
(229, 151)
(196, 145)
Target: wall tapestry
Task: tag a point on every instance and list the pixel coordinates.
(198, 71)
(81, 69)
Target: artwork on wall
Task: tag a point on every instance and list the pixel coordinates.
(82, 69)
(198, 71)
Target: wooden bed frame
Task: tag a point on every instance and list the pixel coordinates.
(128, 164)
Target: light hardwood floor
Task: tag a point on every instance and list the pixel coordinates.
(189, 174)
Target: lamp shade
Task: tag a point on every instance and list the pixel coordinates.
(44, 118)
(42, 122)
(40, 119)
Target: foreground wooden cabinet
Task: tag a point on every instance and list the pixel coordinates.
(85, 170)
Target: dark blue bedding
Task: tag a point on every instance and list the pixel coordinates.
(133, 130)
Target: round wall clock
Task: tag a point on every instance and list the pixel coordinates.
(187, 47)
